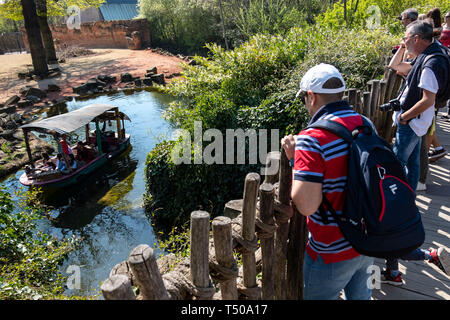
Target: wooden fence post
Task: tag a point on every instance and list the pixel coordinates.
(282, 233)
(251, 187)
(266, 215)
(366, 104)
(200, 255)
(145, 270)
(117, 287)
(223, 245)
(272, 167)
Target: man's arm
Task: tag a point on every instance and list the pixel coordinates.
(398, 64)
(307, 196)
(428, 99)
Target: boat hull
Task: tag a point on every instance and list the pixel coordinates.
(81, 173)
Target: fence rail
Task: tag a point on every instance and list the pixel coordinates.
(264, 213)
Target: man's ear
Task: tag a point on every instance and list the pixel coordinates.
(312, 97)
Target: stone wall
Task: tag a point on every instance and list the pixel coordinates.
(102, 34)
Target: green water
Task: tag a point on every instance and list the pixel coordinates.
(107, 209)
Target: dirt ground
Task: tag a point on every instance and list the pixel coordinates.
(79, 69)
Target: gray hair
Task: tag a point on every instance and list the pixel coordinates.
(422, 28)
(411, 13)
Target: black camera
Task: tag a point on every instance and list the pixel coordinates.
(393, 105)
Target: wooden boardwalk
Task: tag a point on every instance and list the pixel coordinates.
(423, 280)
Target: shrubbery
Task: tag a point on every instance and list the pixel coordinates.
(360, 12)
(29, 260)
(188, 25)
(252, 86)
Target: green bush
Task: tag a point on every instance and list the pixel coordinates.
(359, 12)
(175, 23)
(29, 259)
(174, 191)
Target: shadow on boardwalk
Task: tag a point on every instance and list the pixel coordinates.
(421, 279)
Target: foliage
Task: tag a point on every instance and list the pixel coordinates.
(360, 12)
(175, 22)
(12, 9)
(29, 259)
(174, 191)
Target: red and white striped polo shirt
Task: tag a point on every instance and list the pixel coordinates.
(322, 157)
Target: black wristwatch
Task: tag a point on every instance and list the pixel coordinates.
(292, 162)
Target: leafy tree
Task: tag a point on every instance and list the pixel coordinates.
(12, 9)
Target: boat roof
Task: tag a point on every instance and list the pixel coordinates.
(68, 122)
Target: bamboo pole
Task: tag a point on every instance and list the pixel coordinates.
(266, 215)
(282, 233)
(143, 265)
(200, 255)
(117, 287)
(272, 167)
(223, 245)
(251, 187)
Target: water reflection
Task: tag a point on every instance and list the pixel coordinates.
(81, 203)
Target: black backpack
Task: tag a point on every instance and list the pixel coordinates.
(380, 218)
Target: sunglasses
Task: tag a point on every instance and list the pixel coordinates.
(302, 96)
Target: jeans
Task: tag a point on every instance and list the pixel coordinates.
(407, 150)
(416, 255)
(325, 281)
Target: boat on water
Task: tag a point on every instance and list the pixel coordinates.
(103, 145)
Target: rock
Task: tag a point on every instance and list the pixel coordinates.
(10, 124)
(24, 90)
(36, 92)
(126, 77)
(138, 82)
(8, 135)
(152, 71)
(22, 75)
(8, 109)
(24, 103)
(106, 78)
(33, 99)
(147, 81)
(53, 88)
(158, 78)
(81, 89)
(12, 100)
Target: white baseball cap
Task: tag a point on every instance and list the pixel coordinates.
(315, 78)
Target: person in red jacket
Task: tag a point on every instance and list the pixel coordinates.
(64, 145)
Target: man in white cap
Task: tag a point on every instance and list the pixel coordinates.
(320, 162)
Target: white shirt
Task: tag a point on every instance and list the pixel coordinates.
(421, 125)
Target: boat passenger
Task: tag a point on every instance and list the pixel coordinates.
(60, 164)
(64, 145)
(84, 154)
(47, 163)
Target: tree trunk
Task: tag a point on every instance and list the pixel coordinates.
(34, 37)
(47, 37)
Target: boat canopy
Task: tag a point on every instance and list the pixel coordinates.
(68, 122)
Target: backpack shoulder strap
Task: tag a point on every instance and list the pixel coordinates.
(334, 127)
